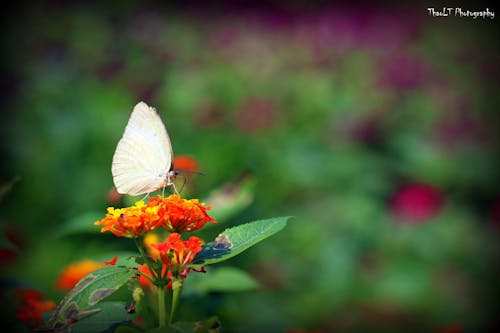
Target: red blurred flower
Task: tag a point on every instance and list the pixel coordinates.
(32, 306)
(416, 202)
(71, 274)
(185, 163)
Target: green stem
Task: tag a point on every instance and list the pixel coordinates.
(138, 243)
(161, 307)
(160, 288)
(176, 289)
(140, 246)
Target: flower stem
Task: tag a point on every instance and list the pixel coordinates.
(161, 307)
(176, 289)
(138, 243)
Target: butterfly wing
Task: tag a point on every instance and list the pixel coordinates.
(143, 156)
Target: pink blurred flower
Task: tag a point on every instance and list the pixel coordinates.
(403, 71)
(416, 202)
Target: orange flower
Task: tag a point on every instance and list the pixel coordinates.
(71, 274)
(172, 213)
(181, 215)
(32, 306)
(177, 254)
(131, 221)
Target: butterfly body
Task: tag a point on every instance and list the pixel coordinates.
(143, 159)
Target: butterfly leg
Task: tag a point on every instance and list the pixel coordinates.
(175, 189)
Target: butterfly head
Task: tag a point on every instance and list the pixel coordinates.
(172, 174)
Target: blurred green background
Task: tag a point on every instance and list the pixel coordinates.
(376, 128)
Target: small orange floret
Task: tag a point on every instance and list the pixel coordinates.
(71, 274)
(111, 262)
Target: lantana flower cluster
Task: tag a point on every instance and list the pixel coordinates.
(168, 259)
(172, 213)
(175, 254)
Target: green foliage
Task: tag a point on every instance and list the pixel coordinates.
(110, 315)
(235, 240)
(80, 224)
(222, 279)
(90, 290)
(231, 198)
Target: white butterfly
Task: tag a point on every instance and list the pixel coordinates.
(143, 159)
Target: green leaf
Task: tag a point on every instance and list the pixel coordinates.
(235, 240)
(224, 279)
(110, 315)
(83, 223)
(90, 290)
(231, 198)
